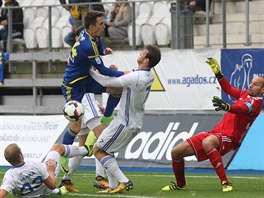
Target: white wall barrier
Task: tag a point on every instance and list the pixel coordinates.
(150, 148)
(34, 134)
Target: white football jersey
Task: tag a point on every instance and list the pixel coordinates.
(26, 180)
(136, 87)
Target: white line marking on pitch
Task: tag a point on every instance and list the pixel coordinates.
(190, 176)
(100, 195)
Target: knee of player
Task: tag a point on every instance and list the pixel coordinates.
(75, 127)
(59, 148)
(181, 150)
(176, 153)
(209, 142)
(97, 151)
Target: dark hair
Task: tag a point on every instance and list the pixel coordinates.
(153, 55)
(90, 18)
(13, 154)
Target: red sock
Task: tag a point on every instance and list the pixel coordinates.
(178, 169)
(217, 162)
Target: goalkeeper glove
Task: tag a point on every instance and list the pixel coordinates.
(215, 67)
(219, 104)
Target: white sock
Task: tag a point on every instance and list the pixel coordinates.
(55, 156)
(111, 165)
(66, 177)
(73, 150)
(74, 163)
(99, 169)
(55, 191)
(113, 183)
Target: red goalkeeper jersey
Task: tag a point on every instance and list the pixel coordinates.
(242, 114)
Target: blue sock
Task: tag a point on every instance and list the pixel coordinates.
(68, 137)
(112, 102)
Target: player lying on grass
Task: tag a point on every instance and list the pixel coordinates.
(226, 135)
(34, 179)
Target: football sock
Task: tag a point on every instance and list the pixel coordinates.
(72, 151)
(99, 169)
(74, 163)
(112, 102)
(68, 137)
(111, 165)
(55, 156)
(217, 162)
(66, 177)
(113, 183)
(178, 169)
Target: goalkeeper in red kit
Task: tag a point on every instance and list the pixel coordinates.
(226, 135)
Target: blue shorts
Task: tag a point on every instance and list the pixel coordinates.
(77, 90)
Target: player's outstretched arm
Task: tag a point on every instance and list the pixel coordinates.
(215, 67)
(219, 104)
(50, 182)
(105, 80)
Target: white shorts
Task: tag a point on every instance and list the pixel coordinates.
(92, 113)
(115, 136)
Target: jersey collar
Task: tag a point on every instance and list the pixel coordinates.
(91, 37)
(20, 165)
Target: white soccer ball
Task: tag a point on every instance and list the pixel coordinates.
(73, 111)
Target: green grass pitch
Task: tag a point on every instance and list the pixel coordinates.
(148, 185)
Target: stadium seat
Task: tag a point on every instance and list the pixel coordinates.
(36, 22)
(56, 37)
(25, 3)
(30, 11)
(30, 38)
(29, 32)
(160, 10)
(62, 21)
(43, 11)
(42, 37)
(50, 2)
(144, 13)
(163, 31)
(64, 27)
(42, 33)
(138, 35)
(29, 15)
(147, 34)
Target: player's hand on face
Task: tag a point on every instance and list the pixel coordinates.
(108, 50)
(51, 165)
(113, 67)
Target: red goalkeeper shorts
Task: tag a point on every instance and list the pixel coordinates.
(195, 141)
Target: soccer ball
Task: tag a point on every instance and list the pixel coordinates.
(73, 111)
